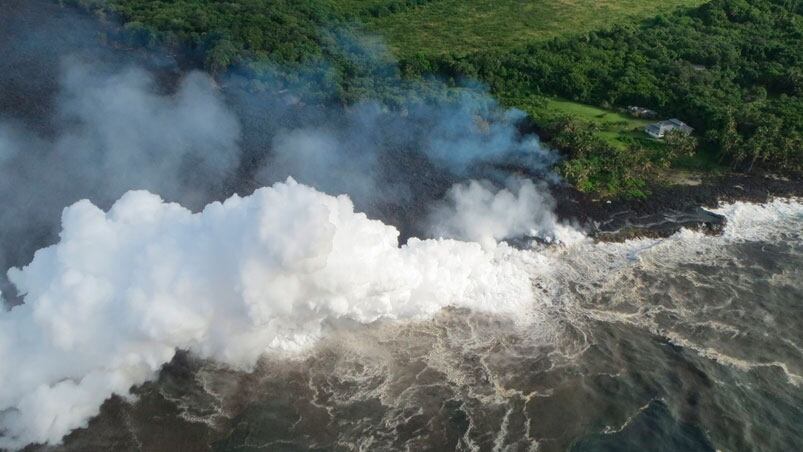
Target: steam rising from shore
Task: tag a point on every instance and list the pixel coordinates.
(114, 131)
(109, 304)
(479, 212)
(113, 300)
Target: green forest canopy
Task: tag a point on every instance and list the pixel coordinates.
(732, 69)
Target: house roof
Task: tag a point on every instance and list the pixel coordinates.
(678, 122)
(670, 123)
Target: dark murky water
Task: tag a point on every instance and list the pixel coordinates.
(687, 343)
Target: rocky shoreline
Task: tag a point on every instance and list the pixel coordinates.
(670, 208)
(27, 95)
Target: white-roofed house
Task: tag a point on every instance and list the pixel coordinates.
(661, 128)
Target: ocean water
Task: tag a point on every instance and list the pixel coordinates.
(687, 343)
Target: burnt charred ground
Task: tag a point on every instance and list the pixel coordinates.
(641, 367)
(670, 207)
(37, 35)
(37, 39)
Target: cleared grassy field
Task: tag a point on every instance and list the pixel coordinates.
(620, 130)
(617, 129)
(458, 26)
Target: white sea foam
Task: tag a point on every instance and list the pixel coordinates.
(679, 287)
(110, 303)
(747, 221)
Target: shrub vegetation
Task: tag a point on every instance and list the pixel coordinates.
(732, 69)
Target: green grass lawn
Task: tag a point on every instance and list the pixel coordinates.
(461, 26)
(620, 130)
(617, 129)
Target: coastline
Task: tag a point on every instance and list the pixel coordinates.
(669, 208)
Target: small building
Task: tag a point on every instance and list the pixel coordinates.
(659, 129)
(641, 112)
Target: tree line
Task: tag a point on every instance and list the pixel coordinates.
(732, 69)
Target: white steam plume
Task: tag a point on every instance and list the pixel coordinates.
(113, 130)
(122, 290)
(132, 136)
(478, 211)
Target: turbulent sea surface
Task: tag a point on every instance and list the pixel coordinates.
(691, 342)
(686, 343)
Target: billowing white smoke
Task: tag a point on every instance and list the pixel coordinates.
(122, 290)
(341, 161)
(117, 131)
(113, 131)
(479, 212)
